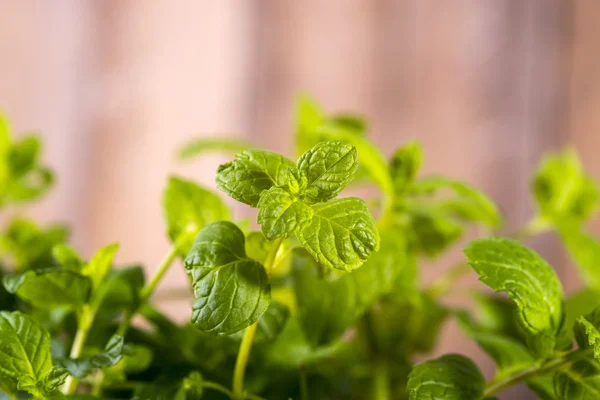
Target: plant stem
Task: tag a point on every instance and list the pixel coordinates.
(148, 289)
(381, 381)
(534, 227)
(84, 324)
(494, 388)
(303, 385)
(246, 345)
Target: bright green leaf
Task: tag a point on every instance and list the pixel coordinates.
(581, 381)
(579, 304)
(67, 257)
(29, 246)
(341, 235)
(405, 165)
(191, 387)
(232, 291)
(253, 171)
(111, 355)
(198, 147)
(467, 203)
(23, 156)
(326, 308)
(584, 249)
(509, 354)
(328, 167)
(48, 288)
(563, 189)
(99, 266)
(450, 377)
(508, 266)
(190, 207)
(587, 332)
(281, 214)
(25, 359)
(313, 127)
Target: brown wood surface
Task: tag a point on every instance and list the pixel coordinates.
(116, 86)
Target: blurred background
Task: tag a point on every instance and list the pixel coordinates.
(115, 87)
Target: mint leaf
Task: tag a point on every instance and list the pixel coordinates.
(99, 266)
(341, 235)
(120, 290)
(581, 381)
(584, 249)
(328, 167)
(587, 332)
(253, 171)
(198, 147)
(508, 266)
(468, 203)
(272, 322)
(191, 387)
(562, 188)
(188, 206)
(67, 257)
(49, 288)
(232, 291)
(281, 214)
(25, 360)
(29, 246)
(579, 304)
(405, 165)
(509, 354)
(450, 377)
(314, 127)
(111, 355)
(326, 308)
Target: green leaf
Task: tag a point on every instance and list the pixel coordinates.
(581, 381)
(587, 332)
(562, 188)
(272, 322)
(99, 266)
(430, 231)
(25, 360)
(257, 246)
(191, 387)
(111, 355)
(232, 291)
(507, 266)
(328, 167)
(341, 235)
(49, 288)
(467, 203)
(281, 214)
(584, 249)
(313, 127)
(509, 354)
(326, 308)
(67, 257)
(253, 171)
(188, 206)
(579, 304)
(198, 147)
(120, 290)
(29, 246)
(23, 156)
(450, 377)
(405, 165)
(291, 350)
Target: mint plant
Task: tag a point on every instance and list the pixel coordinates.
(320, 298)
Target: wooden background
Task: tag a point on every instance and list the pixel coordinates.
(116, 86)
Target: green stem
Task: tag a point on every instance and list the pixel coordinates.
(534, 227)
(303, 385)
(381, 381)
(552, 365)
(246, 346)
(148, 289)
(84, 325)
